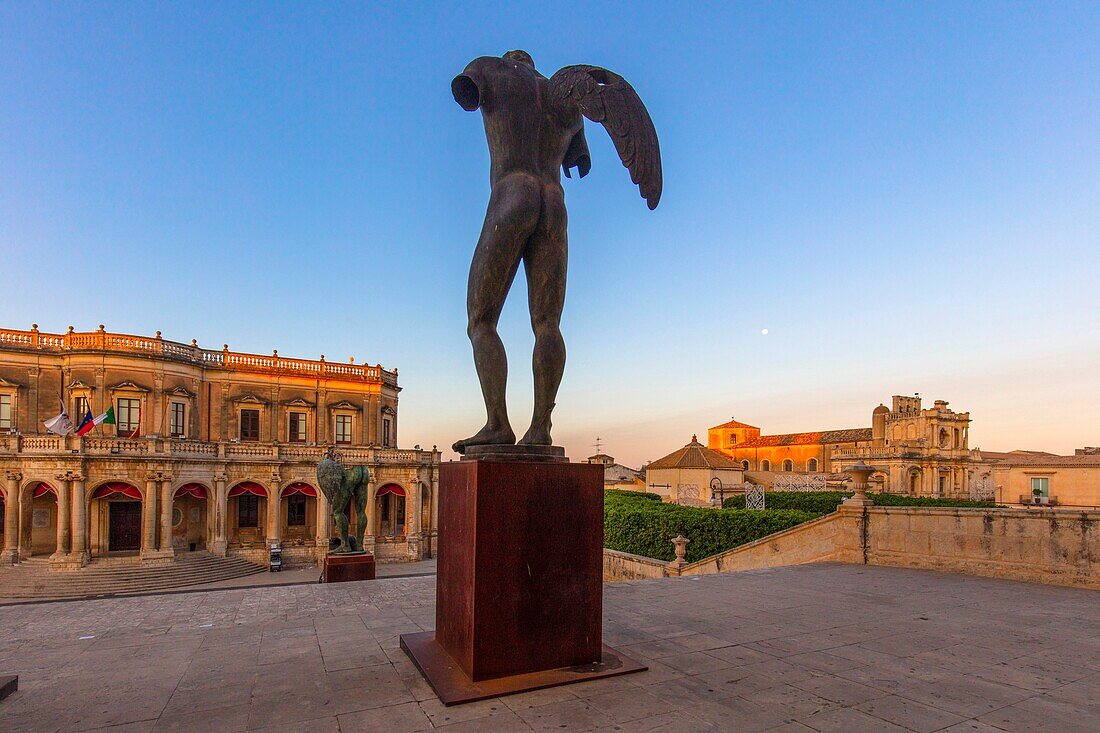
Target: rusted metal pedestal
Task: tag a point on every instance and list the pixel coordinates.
(519, 581)
(342, 568)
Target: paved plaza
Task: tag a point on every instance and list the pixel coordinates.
(815, 647)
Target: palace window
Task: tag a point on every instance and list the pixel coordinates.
(733, 438)
(386, 432)
(176, 425)
(788, 465)
(129, 417)
(296, 511)
(6, 422)
(81, 410)
(811, 465)
(297, 432)
(250, 425)
(744, 465)
(248, 510)
(1040, 487)
(765, 465)
(343, 429)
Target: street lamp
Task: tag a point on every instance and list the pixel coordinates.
(717, 488)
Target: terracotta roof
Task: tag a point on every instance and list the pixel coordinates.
(734, 424)
(1039, 458)
(821, 437)
(694, 455)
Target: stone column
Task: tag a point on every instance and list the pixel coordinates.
(412, 520)
(221, 507)
(80, 522)
(10, 553)
(63, 516)
(149, 518)
(372, 501)
(166, 504)
(275, 515)
(324, 520)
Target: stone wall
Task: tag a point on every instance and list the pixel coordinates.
(832, 537)
(624, 566)
(1037, 545)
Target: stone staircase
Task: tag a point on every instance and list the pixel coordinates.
(32, 579)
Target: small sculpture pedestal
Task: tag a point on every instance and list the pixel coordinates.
(519, 580)
(352, 566)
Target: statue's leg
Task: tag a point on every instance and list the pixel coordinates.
(544, 262)
(513, 213)
(341, 520)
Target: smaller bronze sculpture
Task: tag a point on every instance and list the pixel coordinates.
(341, 486)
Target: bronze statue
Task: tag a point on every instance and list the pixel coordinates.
(534, 125)
(341, 486)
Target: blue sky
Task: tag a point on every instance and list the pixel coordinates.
(904, 195)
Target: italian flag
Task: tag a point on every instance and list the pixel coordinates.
(107, 417)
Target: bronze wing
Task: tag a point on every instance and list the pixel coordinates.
(605, 97)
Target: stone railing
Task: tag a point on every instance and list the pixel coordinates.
(104, 341)
(1042, 545)
(71, 445)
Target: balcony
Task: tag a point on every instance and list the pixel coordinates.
(118, 343)
(165, 448)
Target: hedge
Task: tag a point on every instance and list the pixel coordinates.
(824, 502)
(642, 524)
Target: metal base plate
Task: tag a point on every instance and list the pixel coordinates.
(9, 683)
(506, 452)
(453, 687)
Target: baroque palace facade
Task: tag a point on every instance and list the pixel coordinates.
(212, 450)
(918, 451)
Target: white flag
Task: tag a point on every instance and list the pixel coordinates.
(61, 424)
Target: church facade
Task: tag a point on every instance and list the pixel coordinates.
(210, 450)
(916, 450)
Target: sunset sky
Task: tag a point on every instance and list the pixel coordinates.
(906, 196)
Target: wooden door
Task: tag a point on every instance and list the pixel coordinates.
(124, 532)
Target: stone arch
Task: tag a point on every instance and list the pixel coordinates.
(38, 517)
(390, 501)
(788, 464)
(811, 465)
(247, 517)
(193, 529)
(115, 524)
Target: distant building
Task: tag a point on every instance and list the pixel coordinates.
(618, 476)
(686, 476)
(1040, 478)
(923, 452)
(211, 450)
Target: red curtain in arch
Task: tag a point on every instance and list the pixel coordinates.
(41, 489)
(196, 490)
(117, 487)
(248, 487)
(391, 489)
(299, 487)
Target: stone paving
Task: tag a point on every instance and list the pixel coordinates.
(815, 647)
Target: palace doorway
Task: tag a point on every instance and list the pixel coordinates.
(123, 526)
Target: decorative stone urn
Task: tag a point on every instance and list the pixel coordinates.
(859, 473)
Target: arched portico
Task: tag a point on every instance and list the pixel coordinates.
(298, 513)
(247, 506)
(192, 509)
(39, 519)
(390, 512)
(115, 515)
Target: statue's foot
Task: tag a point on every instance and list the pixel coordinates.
(487, 436)
(537, 435)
